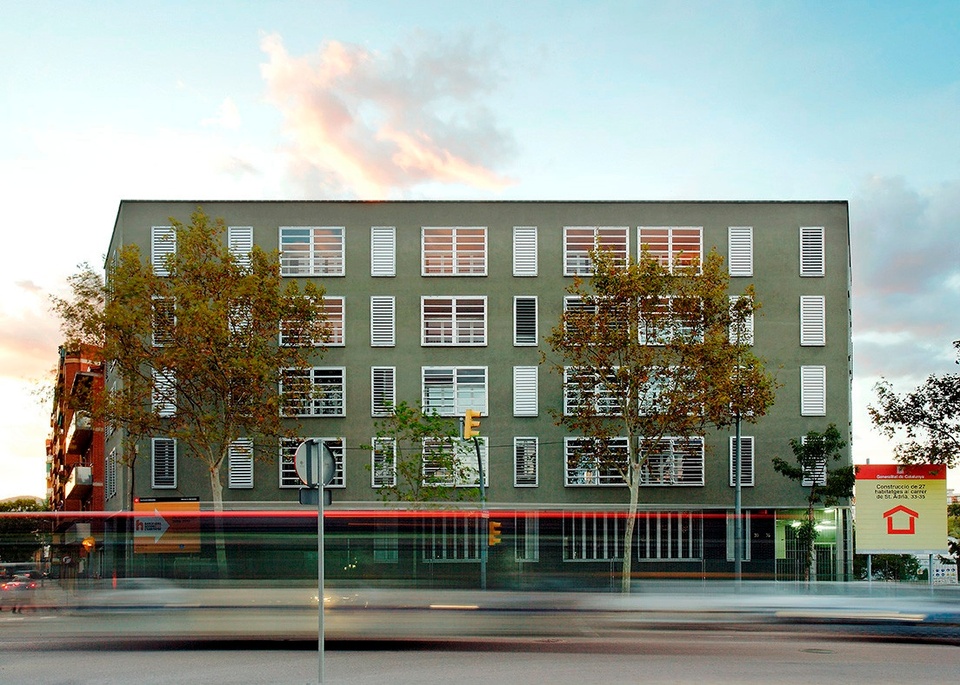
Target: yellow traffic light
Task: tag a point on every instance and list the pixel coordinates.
(493, 533)
(471, 424)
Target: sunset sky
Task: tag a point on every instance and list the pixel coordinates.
(661, 100)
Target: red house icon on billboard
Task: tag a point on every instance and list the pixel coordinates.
(907, 519)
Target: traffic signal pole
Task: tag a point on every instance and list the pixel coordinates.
(471, 428)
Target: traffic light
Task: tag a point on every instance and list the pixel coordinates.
(493, 533)
(471, 424)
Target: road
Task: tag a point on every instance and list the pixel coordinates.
(649, 656)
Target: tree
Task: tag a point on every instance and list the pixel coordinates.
(825, 486)
(888, 567)
(929, 417)
(21, 535)
(651, 354)
(418, 457)
(192, 346)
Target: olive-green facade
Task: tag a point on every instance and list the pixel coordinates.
(775, 235)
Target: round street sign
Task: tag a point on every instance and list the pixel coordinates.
(307, 462)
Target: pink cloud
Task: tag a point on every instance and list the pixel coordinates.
(373, 124)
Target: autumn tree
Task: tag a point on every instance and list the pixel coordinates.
(419, 457)
(813, 468)
(928, 418)
(191, 345)
(651, 354)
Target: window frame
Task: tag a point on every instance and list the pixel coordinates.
(454, 401)
(453, 325)
(240, 469)
(521, 314)
(158, 480)
(383, 463)
(576, 259)
(240, 244)
(813, 321)
(315, 257)
(813, 257)
(670, 259)
(525, 247)
(317, 405)
(690, 460)
(288, 477)
(383, 321)
(748, 459)
(526, 382)
(456, 258)
(588, 471)
(813, 390)
(163, 243)
(740, 251)
(383, 251)
(379, 399)
(526, 466)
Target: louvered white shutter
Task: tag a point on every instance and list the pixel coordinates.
(813, 330)
(383, 251)
(382, 321)
(740, 250)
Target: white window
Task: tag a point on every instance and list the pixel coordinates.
(583, 389)
(383, 463)
(383, 251)
(579, 241)
(164, 321)
(453, 539)
(163, 244)
(676, 535)
(525, 320)
(450, 391)
(383, 314)
(383, 391)
(329, 331)
(672, 319)
(746, 461)
(813, 320)
(287, 461)
(740, 250)
(526, 536)
(591, 462)
(740, 332)
(453, 321)
(311, 251)
(524, 250)
(240, 243)
(811, 251)
(593, 536)
(439, 455)
(525, 462)
(525, 401)
(673, 462)
(454, 251)
(813, 391)
(163, 466)
(240, 464)
(164, 393)
(814, 473)
(316, 391)
(674, 246)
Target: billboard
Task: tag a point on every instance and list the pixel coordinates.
(901, 509)
(166, 524)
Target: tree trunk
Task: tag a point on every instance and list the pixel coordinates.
(634, 484)
(216, 487)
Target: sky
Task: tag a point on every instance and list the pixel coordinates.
(635, 100)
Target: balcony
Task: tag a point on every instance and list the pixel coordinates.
(79, 484)
(80, 433)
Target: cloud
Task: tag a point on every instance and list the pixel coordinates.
(373, 124)
(906, 264)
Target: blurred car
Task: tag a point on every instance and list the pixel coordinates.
(17, 593)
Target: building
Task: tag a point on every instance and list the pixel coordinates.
(448, 303)
(75, 460)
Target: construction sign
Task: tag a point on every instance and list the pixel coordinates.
(901, 509)
(163, 524)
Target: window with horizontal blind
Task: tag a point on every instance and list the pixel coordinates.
(164, 322)
(311, 251)
(812, 262)
(580, 241)
(740, 332)
(383, 463)
(451, 390)
(164, 394)
(454, 251)
(383, 396)
(240, 243)
(525, 251)
(328, 332)
(813, 320)
(287, 461)
(163, 243)
(746, 461)
(453, 321)
(383, 251)
(316, 391)
(813, 391)
(673, 461)
(525, 462)
(524, 320)
(383, 311)
(163, 463)
(740, 250)
(525, 402)
(673, 246)
(594, 462)
(240, 464)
